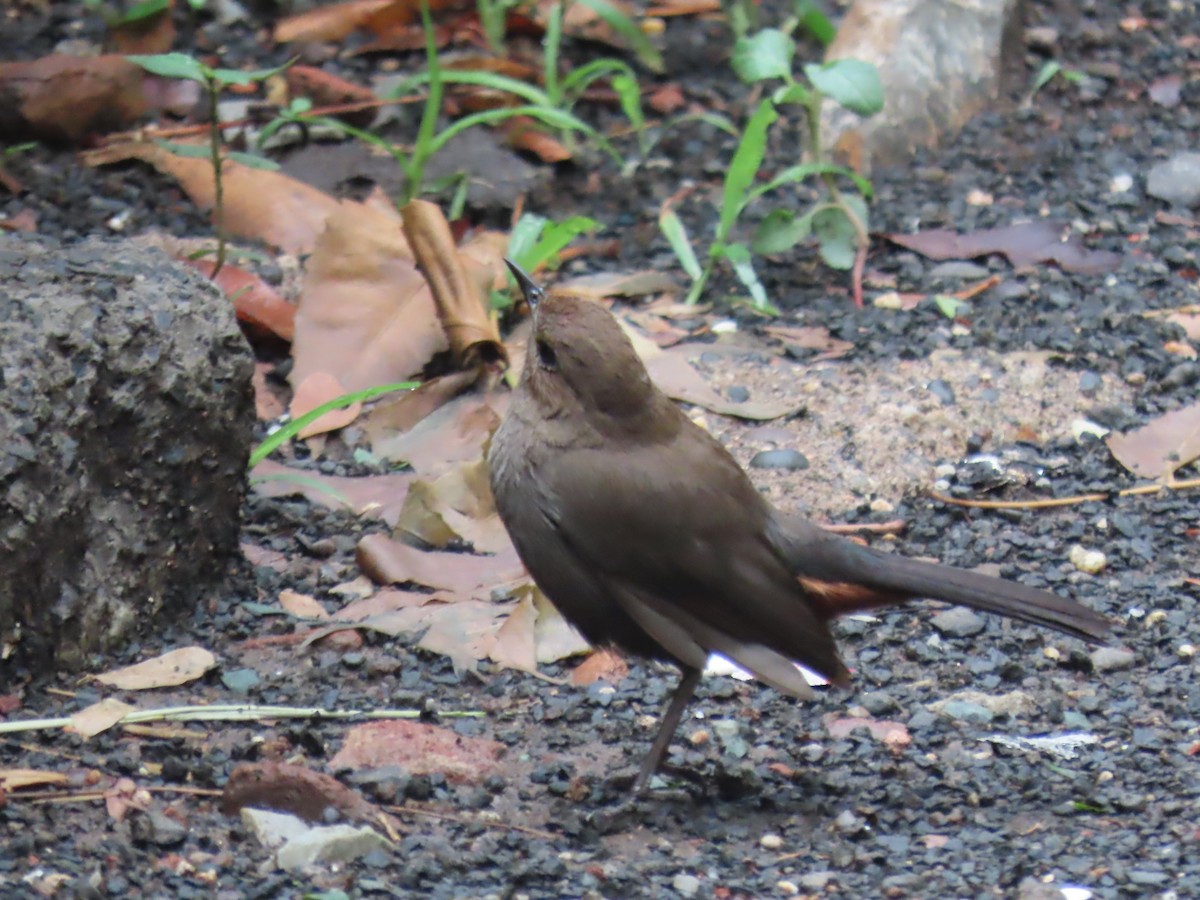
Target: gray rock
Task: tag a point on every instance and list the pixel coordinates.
(126, 416)
(155, 828)
(1177, 180)
(1112, 659)
(686, 885)
(779, 459)
(958, 622)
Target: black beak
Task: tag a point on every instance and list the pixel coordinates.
(530, 288)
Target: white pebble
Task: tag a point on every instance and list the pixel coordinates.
(770, 842)
(1085, 560)
(787, 888)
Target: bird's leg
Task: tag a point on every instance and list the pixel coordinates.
(666, 731)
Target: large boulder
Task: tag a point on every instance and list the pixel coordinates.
(126, 416)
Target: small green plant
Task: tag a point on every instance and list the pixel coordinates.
(1047, 73)
(536, 241)
(292, 428)
(838, 220)
(184, 67)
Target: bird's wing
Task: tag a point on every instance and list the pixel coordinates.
(678, 535)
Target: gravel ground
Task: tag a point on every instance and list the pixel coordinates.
(770, 797)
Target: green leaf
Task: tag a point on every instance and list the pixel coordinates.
(1049, 69)
(629, 95)
(851, 82)
(523, 238)
(836, 237)
(716, 120)
(791, 93)
(553, 117)
(743, 268)
(743, 168)
(767, 54)
(628, 29)
(254, 161)
(295, 426)
(556, 236)
(143, 10)
(236, 76)
(578, 80)
(812, 19)
(672, 228)
(947, 305)
(780, 231)
(796, 174)
(191, 151)
(173, 65)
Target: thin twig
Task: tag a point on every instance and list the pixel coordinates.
(1048, 503)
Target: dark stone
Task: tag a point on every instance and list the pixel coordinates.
(779, 459)
(125, 420)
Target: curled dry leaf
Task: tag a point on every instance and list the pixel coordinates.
(456, 506)
(333, 22)
(286, 787)
(169, 670)
(98, 717)
(1161, 447)
(14, 779)
(391, 417)
(261, 205)
(459, 280)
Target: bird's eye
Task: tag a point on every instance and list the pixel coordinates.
(546, 355)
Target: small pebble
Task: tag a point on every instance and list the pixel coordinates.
(880, 505)
(737, 394)
(1085, 560)
(943, 392)
(779, 459)
(787, 888)
(770, 842)
(1089, 383)
(1112, 659)
(686, 885)
(958, 622)
(1187, 651)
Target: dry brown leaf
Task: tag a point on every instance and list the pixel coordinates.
(603, 665)
(377, 496)
(678, 379)
(811, 337)
(459, 282)
(98, 717)
(63, 98)
(301, 605)
(365, 315)
(387, 419)
(267, 402)
(329, 23)
(385, 601)
(556, 638)
(463, 574)
(454, 434)
(601, 285)
(262, 205)
(1023, 244)
(256, 303)
(457, 505)
(1159, 448)
(515, 645)
(318, 388)
(169, 670)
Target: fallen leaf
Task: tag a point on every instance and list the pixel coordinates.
(514, 644)
(381, 602)
(316, 389)
(678, 379)
(301, 605)
(459, 281)
(1162, 446)
(1023, 245)
(603, 665)
(377, 496)
(98, 717)
(259, 204)
(295, 789)
(601, 285)
(449, 436)
(391, 417)
(463, 574)
(418, 748)
(365, 313)
(256, 303)
(168, 670)
(456, 506)
(811, 337)
(555, 637)
(267, 402)
(332, 22)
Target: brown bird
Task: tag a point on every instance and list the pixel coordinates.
(646, 534)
